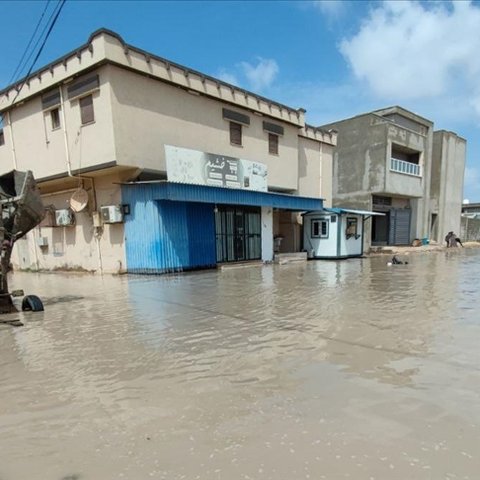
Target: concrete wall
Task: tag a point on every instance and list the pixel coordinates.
(448, 166)
(315, 169)
(78, 247)
(470, 229)
(39, 148)
(148, 114)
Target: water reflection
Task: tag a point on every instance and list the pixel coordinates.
(297, 371)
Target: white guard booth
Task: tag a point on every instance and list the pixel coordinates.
(334, 232)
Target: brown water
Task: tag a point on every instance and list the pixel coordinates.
(330, 370)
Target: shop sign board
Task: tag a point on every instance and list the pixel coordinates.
(200, 168)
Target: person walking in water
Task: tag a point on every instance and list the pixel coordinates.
(452, 240)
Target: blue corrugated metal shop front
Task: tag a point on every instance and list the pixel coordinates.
(171, 226)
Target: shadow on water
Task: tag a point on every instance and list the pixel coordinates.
(62, 299)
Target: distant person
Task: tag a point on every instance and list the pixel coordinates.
(452, 240)
(448, 238)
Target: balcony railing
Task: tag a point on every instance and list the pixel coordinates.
(407, 168)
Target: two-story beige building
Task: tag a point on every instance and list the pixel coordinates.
(148, 166)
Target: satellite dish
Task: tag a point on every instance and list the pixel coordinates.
(79, 200)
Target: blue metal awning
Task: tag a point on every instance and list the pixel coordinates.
(183, 192)
(340, 211)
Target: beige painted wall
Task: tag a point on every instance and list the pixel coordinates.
(42, 150)
(79, 247)
(149, 114)
(315, 169)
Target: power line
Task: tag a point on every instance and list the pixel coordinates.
(59, 7)
(42, 33)
(19, 69)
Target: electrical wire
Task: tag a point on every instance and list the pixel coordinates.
(55, 15)
(20, 63)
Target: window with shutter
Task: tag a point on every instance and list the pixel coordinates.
(273, 143)
(235, 133)
(55, 118)
(86, 110)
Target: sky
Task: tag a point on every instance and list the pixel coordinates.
(335, 59)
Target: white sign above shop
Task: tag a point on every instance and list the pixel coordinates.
(200, 168)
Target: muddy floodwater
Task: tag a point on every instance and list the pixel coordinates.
(321, 370)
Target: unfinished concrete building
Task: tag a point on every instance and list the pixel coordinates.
(392, 161)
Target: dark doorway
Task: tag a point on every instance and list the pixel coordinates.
(380, 229)
(238, 233)
(434, 227)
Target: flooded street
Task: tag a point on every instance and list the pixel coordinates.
(350, 369)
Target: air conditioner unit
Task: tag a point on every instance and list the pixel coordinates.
(64, 218)
(112, 214)
(42, 241)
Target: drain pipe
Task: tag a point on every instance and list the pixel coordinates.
(14, 153)
(65, 135)
(97, 233)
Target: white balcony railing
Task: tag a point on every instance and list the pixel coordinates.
(407, 168)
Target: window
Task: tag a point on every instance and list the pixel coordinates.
(382, 201)
(235, 133)
(352, 227)
(55, 118)
(2, 135)
(273, 144)
(86, 109)
(319, 229)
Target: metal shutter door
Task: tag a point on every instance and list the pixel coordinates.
(399, 226)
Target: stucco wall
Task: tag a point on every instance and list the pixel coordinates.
(149, 114)
(448, 166)
(78, 247)
(42, 150)
(315, 169)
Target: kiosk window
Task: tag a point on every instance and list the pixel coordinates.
(319, 228)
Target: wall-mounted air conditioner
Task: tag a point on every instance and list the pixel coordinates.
(42, 241)
(112, 214)
(64, 218)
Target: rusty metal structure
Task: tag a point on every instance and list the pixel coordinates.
(21, 210)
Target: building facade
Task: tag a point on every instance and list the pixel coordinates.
(391, 161)
(148, 166)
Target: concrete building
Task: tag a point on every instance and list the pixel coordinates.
(181, 170)
(446, 191)
(391, 161)
(471, 210)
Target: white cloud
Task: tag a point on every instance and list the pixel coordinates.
(261, 75)
(408, 50)
(227, 77)
(332, 9)
(256, 77)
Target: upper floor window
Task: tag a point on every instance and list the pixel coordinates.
(55, 118)
(86, 110)
(273, 143)
(235, 133)
(2, 135)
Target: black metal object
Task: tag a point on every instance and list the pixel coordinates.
(21, 209)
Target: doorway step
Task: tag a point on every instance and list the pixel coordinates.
(283, 258)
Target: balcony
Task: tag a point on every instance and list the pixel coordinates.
(407, 168)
